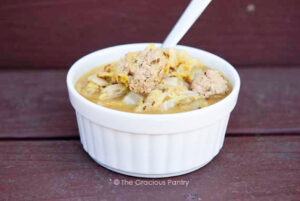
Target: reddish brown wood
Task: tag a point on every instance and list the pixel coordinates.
(49, 33)
(268, 102)
(35, 103)
(248, 168)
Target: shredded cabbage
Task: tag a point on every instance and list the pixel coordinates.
(113, 91)
(132, 98)
(153, 80)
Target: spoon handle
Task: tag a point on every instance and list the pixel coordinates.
(187, 19)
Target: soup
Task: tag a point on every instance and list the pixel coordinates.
(154, 81)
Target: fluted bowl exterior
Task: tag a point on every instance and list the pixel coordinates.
(151, 145)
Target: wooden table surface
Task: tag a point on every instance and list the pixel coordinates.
(41, 157)
(247, 168)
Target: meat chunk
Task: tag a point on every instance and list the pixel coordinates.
(145, 70)
(208, 83)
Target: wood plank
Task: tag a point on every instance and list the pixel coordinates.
(47, 34)
(35, 103)
(268, 102)
(263, 168)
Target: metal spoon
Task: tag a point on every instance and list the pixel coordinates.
(187, 19)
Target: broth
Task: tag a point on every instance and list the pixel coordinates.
(179, 88)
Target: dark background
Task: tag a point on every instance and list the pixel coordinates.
(54, 33)
(40, 39)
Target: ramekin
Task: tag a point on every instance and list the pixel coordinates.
(151, 145)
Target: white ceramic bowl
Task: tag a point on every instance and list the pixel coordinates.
(151, 145)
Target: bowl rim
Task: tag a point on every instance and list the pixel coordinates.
(71, 87)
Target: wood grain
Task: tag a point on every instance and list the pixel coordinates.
(268, 102)
(54, 33)
(263, 168)
(35, 103)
